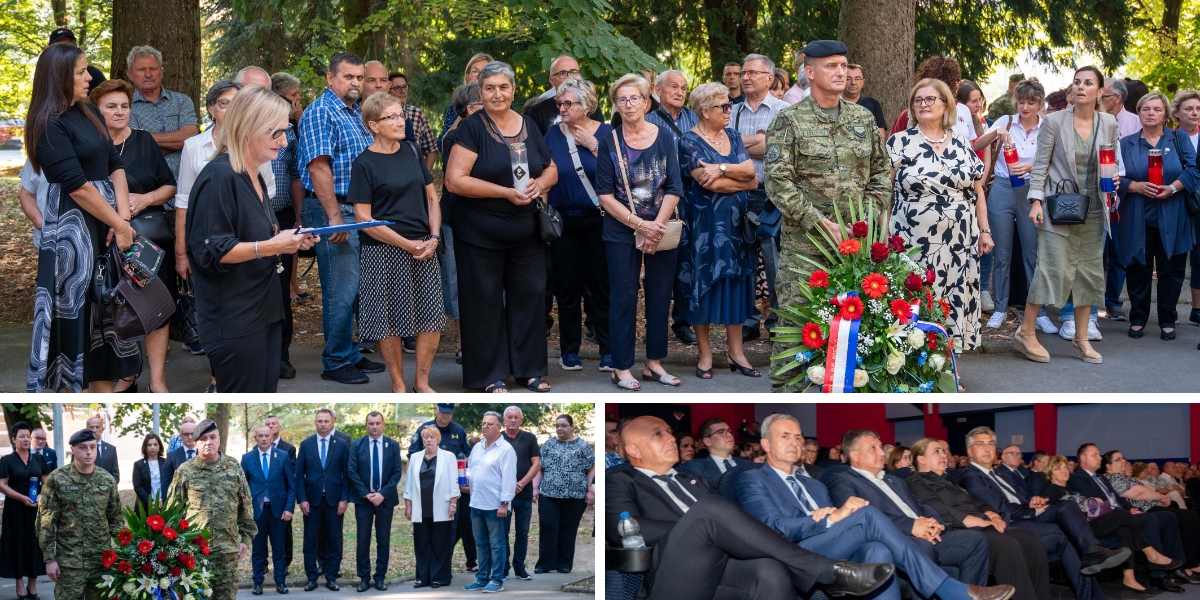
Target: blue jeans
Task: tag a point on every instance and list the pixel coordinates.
(985, 271)
(521, 511)
(449, 275)
(489, 538)
(338, 268)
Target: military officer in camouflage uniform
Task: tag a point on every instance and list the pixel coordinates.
(1004, 105)
(218, 499)
(79, 514)
(820, 150)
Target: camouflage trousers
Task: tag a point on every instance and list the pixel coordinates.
(787, 290)
(224, 585)
(73, 584)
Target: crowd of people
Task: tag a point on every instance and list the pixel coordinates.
(951, 524)
(691, 201)
(58, 521)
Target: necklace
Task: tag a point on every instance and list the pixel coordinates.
(720, 136)
(945, 134)
(122, 151)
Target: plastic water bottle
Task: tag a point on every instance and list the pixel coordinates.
(33, 490)
(631, 533)
(462, 469)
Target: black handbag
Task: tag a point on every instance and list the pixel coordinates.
(137, 311)
(156, 225)
(1191, 198)
(550, 223)
(183, 321)
(105, 276)
(1072, 208)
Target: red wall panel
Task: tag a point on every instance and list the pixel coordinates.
(833, 420)
(1045, 427)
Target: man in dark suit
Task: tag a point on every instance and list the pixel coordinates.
(704, 545)
(323, 489)
(1062, 526)
(717, 437)
(107, 459)
(965, 549)
(269, 473)
(46, 452)
(375, 471)
(797, 506)
(272, 423)
(1161, 528)
(1010, 462)
(182, 454)
(1035, 482)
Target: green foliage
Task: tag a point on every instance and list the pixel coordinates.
(1162, 58)
(137, 418)
(25, 26)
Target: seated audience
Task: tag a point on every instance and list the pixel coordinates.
(900, 457)
(1116, 470)
(1035, 481)
(687, 447)
(717, 437)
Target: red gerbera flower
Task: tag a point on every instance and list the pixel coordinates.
(913, 282)
(902, 310)
(124, 537)
(183, 524)
(813, 338)
(108, 558)
(204, 551)
(124, 568)
(852, 309)
(932, 338)
(169, 533)
(147, 569)
(155, 522)
(818, 279)
(848, 247)
(145, 546)
(896, 243)
(875, 285)
(860, 229)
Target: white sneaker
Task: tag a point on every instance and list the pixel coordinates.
(1094, 331)
(986, 298)
(1044, 323)
(1067, 332)
(997, 320)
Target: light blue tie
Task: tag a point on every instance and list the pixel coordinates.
(322, 453)
(266, 468)
(802, 494)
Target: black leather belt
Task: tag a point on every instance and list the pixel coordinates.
(340, 199)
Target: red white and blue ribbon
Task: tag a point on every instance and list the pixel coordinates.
(842, 353)
(926, 326)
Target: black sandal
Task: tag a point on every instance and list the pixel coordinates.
(533, 384)
(458, 357)
(704, 373)
(747, 371)
(491, 389)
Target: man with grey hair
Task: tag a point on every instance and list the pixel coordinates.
(170, 117)
(529, 464)
(253, 75)
(799, 89)
(492, 479)
(752, 118)
(39, 447)
(1113, 98)
(375, 79)
(545, 111)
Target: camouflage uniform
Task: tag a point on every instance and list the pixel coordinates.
(218, 499)
(78, 516)
(810, 163)
(1002, 106)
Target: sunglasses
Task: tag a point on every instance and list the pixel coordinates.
(725, 108)
(567, 103)
(399, 88)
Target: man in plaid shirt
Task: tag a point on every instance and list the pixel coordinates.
(332, 135)
(416, 126)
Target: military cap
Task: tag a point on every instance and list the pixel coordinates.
(446, 408)
(204, 427)
(1016, 77)
(824, 48)
(81, 436)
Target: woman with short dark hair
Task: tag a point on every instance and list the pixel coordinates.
(563, 495)
(150, 478)
(22, 475)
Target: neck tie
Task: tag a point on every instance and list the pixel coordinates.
(266, 467)
(1111, 498)
(1003, 486)
(801, 493)
(322, 453)
(728, 464)
(676, 489)
(374, 465)
(190, 454)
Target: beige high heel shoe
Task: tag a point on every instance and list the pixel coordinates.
(1023, 348)
(1092, 357)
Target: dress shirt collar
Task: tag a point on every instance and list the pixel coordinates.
(262, 452)
(326, 438)
(869, 475)
(981, 467)
(275, 444)
(375, 439)
(784, 474)
(651, 474)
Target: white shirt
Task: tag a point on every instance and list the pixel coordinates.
(155, 478)
(1194, 137)
(667, 488)
(492, 474)
(550, 93)
(197, 151)
(964, 125)
(35, 183)
(1004, 487)
(721, 461)
(1025, 141)
(889, 492)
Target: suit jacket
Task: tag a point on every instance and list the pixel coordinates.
(51, 457)
(812, 470)
(952, 502)
(1016, 478)
(108, 460)
(1055, 158)
(289, 449)
(849, 483)
(445, 485)
(312, 480)
(1036, 483)
(984, 489)
(644, 500)
(142, 481)
(175, 459)
(1082, 483)
(766, 497)
(341, 435)
(706, 467)
(390, 471)
(277, 485)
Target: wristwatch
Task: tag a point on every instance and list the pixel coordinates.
(722, 168)
(504, 504)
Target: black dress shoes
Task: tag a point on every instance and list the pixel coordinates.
(996, 592)
(364, 585)
(858, 579)
(685, 335)
(420, 585)
(1181, 576)
(749, 334)
(435, 585)
(312, 585)
(345, 374)
(1166, 584)
(257, 591)
(1171, 566)
(1103, 558)
(381, 586)
(332, 586)
(286, 370)
(367, 365)
(281, 588)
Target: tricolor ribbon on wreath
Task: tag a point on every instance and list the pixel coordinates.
(926, 326)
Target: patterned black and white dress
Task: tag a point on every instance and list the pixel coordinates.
(73, 339)
(934, 210)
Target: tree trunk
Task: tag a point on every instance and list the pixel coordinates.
(1172, 10)
(171, 26)
(220, 414)
(730, 27)
(353, 13)
(59, 8)
(82, 31)
(888, 67)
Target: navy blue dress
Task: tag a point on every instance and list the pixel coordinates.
(717, 270)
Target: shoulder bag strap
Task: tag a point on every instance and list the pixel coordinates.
(1092, 152)
(621, 167)
(670, 122)
(587, 185)
(737, 124)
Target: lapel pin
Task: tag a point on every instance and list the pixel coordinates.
(693, 482)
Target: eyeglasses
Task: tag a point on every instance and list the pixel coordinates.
(223, 104)
(930, 100)
(630, 101)
(474, 104)
(856, 79)
(725, 431)
(399, 88)
(473, 71)
(275, 133)
(568, 103)
(752, 72)
(725, 108)
(567, 73)
(1107, 96)
(389, 118)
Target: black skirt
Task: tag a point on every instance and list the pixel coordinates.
(20, 553)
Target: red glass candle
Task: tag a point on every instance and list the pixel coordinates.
(1108, 167)
(1155, 167)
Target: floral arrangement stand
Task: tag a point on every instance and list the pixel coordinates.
(871, 319)
(160, 556)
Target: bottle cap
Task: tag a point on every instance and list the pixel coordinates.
(624, 515)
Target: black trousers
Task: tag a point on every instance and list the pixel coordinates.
(1170, 282)
(287, 220)
(462, 531)
(1018, 558)
(502, 332)
(1120, 524)
(364, 515)
(581, 272)
(558, 520)
(1189, 532)
(718, 546)
(434, 545)
(247, 364)
(322, 520)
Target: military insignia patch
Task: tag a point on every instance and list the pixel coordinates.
(773, 152)
(860, 131)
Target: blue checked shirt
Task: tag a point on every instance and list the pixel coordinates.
(285, 168)
(330, 128)
(170, 113)
(751, 122)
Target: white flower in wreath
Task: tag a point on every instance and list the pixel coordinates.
(860, 378)
(189, 597)
(208, 593)
(893, 364)
(916, 338)
(896, 332)
(146, 585)
(129, 587)
(164, 583)
(107, 581)
(816, 374)
(938, 361)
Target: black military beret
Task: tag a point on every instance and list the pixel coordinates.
(204, 427)
(823, 48)
(81, 436)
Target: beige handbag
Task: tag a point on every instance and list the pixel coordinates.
(670, 238)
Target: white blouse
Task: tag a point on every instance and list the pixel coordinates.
(155, 478)
(197, 151)
(1025, 141)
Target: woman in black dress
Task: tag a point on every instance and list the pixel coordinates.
(234, 246)
(150, 474)
(501, 257)
(74, 346)
(151, 185)
(20, 554)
